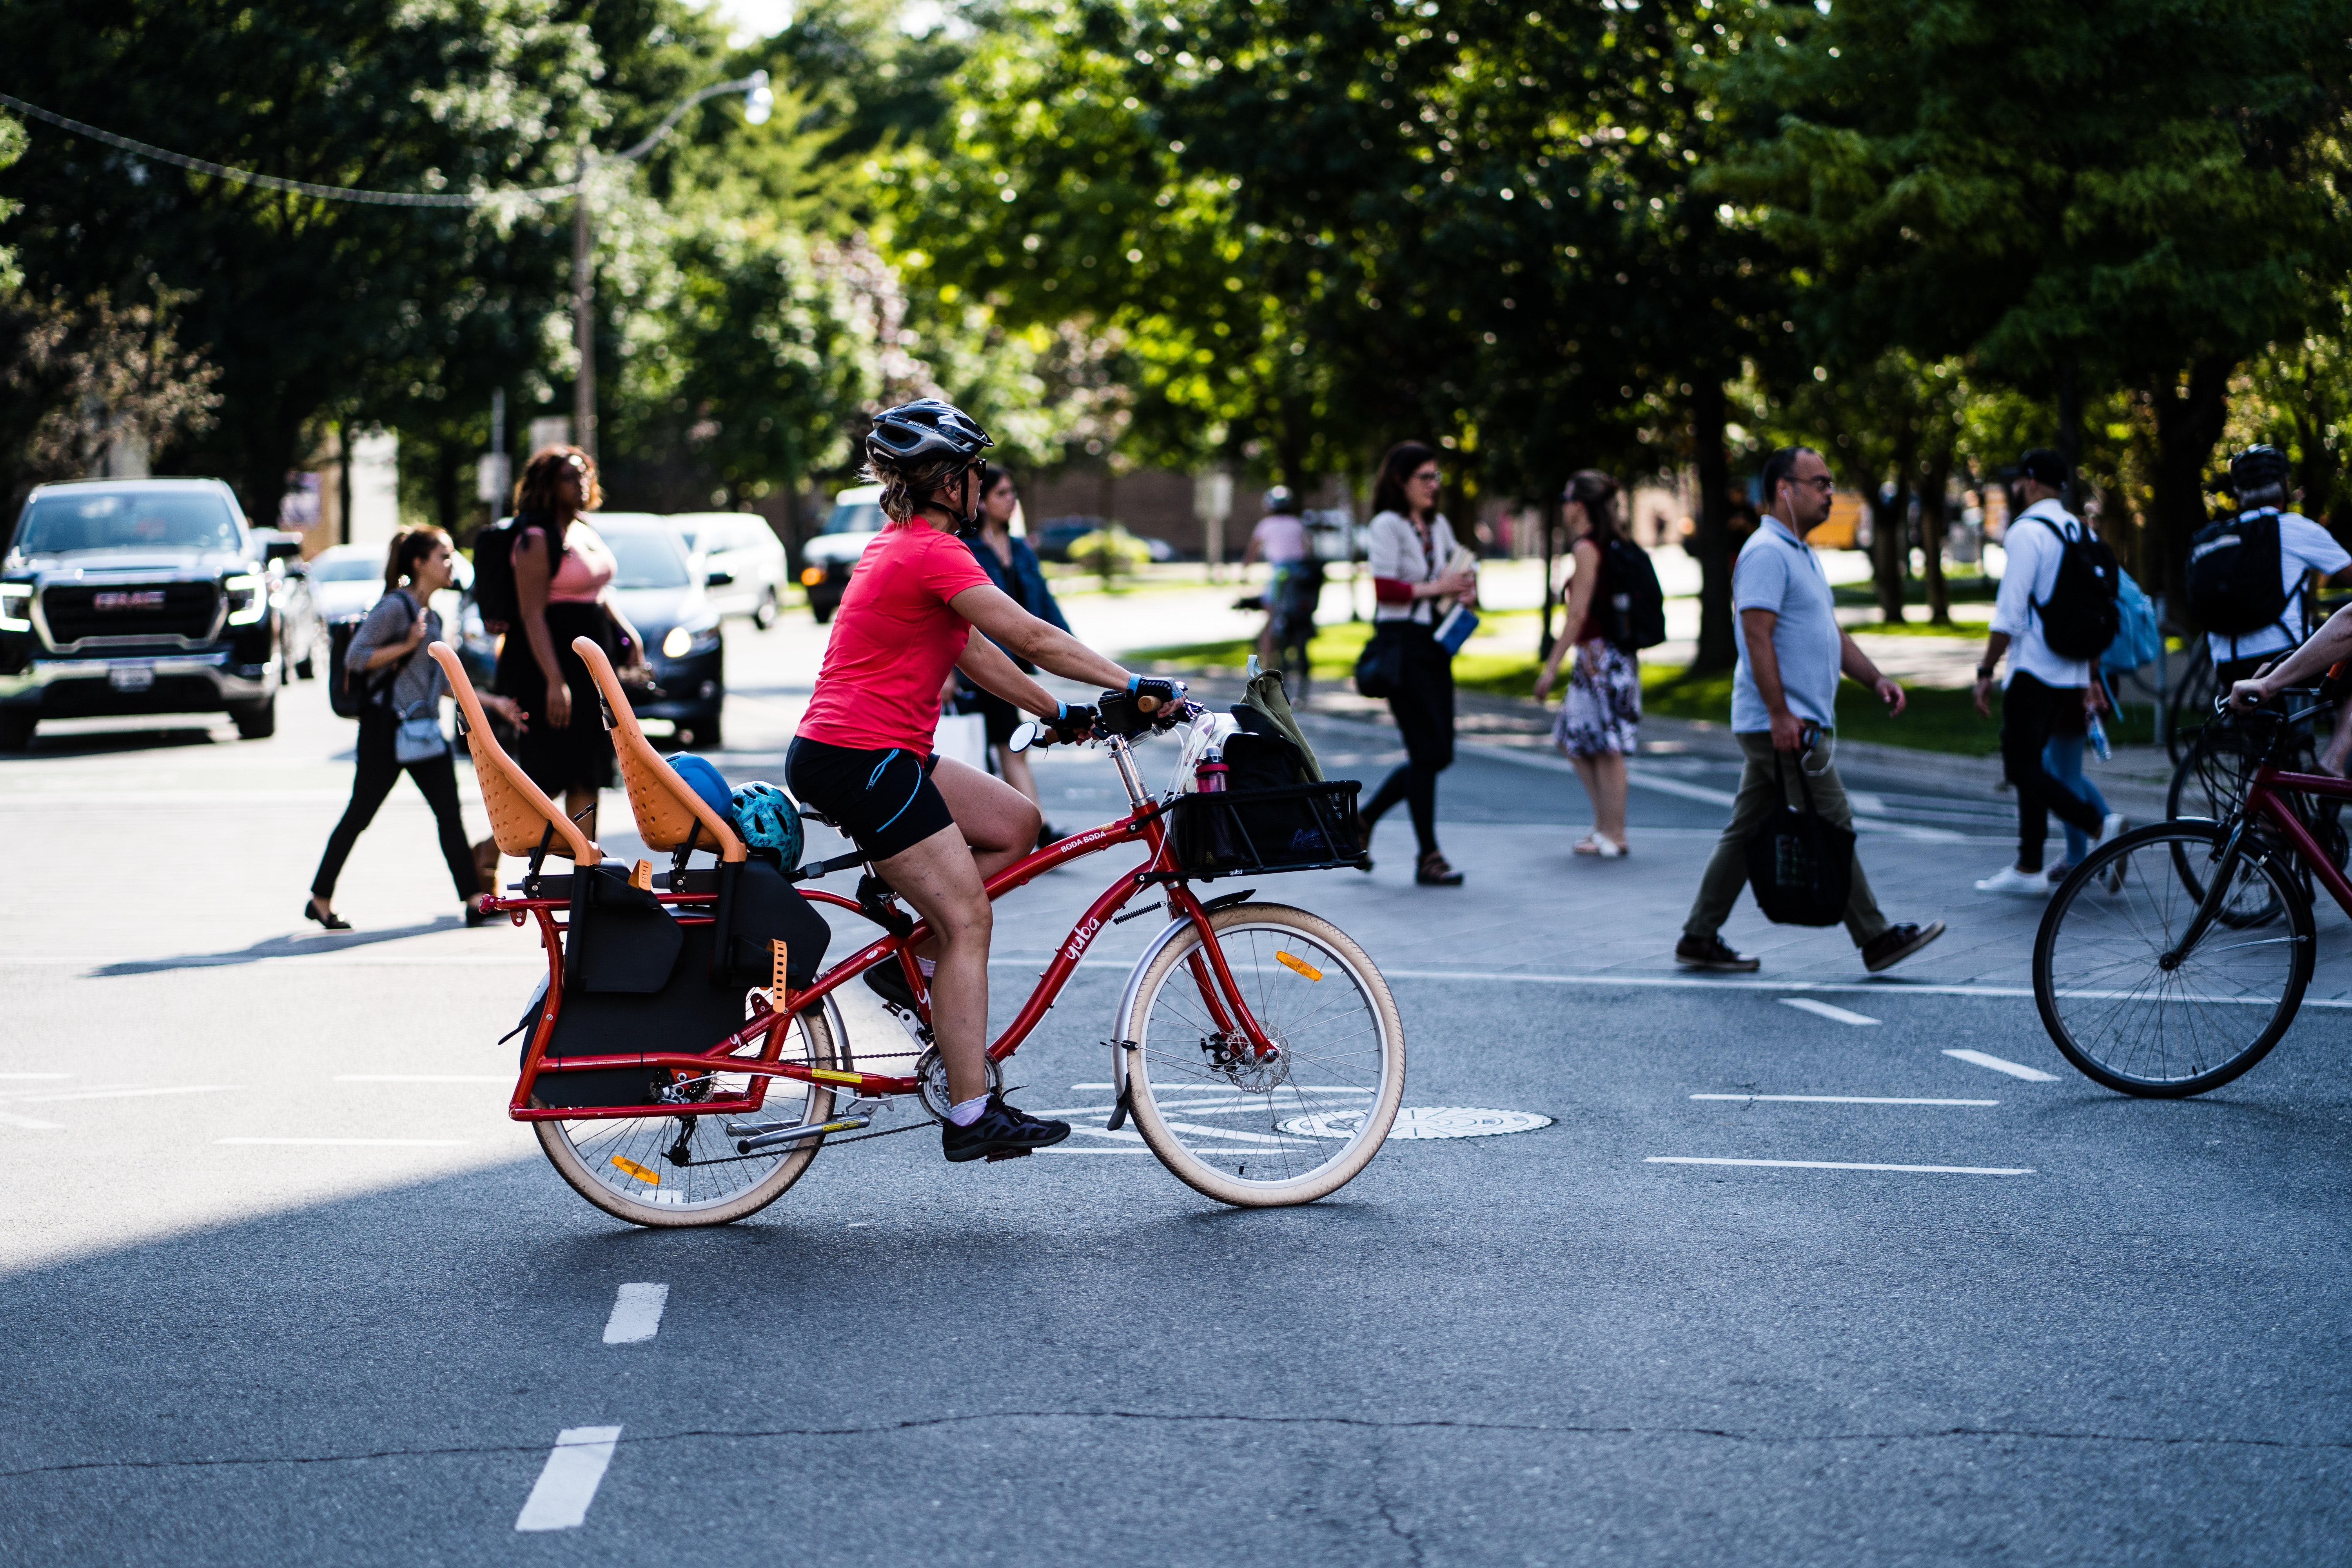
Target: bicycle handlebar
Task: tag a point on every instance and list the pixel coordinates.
(1119, 716)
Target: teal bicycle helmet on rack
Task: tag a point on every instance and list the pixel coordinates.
(769, 823)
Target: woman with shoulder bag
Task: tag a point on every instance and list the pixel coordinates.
(1603, 709)
(1411, 549)
(563, 589)
(400, 721)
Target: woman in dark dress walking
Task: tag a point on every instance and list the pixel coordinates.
(562, 578)
(1013, 566)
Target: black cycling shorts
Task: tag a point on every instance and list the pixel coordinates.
(885, 800)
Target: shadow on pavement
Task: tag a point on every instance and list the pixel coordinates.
(276, 947)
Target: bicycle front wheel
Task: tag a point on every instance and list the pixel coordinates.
(1287, 1128)
(2128, 1012)
(670, 1171)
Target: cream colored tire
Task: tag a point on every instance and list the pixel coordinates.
(597, 1156)
(1223, 1127)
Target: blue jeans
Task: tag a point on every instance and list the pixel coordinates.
(2063, 757)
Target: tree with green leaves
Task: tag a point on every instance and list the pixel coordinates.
(2120, 194)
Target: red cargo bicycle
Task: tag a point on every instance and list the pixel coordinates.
(1256, 1047)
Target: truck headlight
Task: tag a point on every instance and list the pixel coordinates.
(812, 576)
(248, 598)
(15, 606)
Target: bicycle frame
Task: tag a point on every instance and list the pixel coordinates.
(2267, 798)
(1145, 820)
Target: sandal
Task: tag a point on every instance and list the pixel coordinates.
(1600, 845)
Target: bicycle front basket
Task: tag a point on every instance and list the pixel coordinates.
(1291, 828)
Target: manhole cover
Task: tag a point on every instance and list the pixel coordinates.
(1422, 1121)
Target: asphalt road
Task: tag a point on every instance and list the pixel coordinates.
(1547, 1347)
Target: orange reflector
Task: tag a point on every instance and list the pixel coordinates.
(812, 576)
(1298, 965)
(650, 1178)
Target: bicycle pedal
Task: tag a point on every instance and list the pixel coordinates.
(1008, 1154)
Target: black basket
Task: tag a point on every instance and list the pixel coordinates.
(1293, 827)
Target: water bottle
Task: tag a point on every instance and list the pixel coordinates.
(1210, 776)
(2098, 733)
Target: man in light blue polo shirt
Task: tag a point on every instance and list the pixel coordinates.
(1783, 711)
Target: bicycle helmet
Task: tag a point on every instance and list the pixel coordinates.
(1280, 501)
(923, 430)
(704, 780)
(768, 822)
(2257, 468)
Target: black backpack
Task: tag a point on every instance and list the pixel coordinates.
(2235, 586)
(348, 694)
(2081, 617)
(494, 583)
(1636, 616)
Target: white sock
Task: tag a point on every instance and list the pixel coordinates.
(929, 966)
(964, 1113)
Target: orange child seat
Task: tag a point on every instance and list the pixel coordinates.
(522, 816)
(668, 810)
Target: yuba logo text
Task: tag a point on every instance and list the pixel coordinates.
(145, 599)
(1079, 938)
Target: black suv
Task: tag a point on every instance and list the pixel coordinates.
(135, 596)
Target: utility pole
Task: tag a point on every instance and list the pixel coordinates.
(583, 316)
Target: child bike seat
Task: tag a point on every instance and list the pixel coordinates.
(667, 807)
(522, 816)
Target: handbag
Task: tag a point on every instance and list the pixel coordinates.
(1379, 669)
(1800, 866)
(419, 738)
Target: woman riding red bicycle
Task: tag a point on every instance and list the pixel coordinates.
(933, 828)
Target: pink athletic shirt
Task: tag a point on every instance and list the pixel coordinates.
(894, 640)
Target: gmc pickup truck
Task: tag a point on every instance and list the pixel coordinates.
(136, 597)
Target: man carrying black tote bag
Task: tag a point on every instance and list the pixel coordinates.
(1783, 705)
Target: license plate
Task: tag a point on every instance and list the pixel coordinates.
(131, 677)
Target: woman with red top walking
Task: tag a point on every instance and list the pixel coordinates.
(1411, 549)
(934, 828)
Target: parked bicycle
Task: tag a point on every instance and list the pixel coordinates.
(2173, 959)
(1255, 1046)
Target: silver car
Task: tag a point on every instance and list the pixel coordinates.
(742, 560)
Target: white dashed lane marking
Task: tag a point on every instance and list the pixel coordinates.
(637, 1315)
(1843, 1165)
(30, 1124)
(568, 1484)
(1823, 1010)
(2014, 1070)
(1844, 1099)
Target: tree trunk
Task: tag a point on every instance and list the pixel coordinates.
(1890, 535)
(1934, 528)
(1551, 549)
(447, 502)
(1713, 536)
(2188, 417)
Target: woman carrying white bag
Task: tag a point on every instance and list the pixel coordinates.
(400, 721)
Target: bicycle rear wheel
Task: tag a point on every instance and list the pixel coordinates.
(2128, 1019)
(671, 1172)
(1287, 1129)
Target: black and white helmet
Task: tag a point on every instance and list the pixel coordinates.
(922, 431)
(2258, 467)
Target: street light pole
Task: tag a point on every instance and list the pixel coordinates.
(759, 102)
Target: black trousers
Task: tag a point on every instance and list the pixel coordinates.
(1424, 711)
(2031, 714)
(378, 771)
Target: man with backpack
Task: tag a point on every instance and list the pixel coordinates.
(1783, 714)
(2055, 614)
(2246, 572)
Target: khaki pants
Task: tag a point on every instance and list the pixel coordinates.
(1726, 868)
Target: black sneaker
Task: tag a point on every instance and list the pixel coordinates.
(1001, 1133)
(1711, 953)
(888, 981)
(1895, 943)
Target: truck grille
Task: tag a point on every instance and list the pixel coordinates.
(75, 611)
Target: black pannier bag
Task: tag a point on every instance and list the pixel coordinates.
(625, 990)
(756, 905)
(1800, 865)
(1290, 828)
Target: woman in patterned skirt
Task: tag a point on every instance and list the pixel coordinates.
(1603, 709)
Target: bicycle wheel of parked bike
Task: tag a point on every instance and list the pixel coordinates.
(675, 1171)
(1286, 1129)
(2131, 1014)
